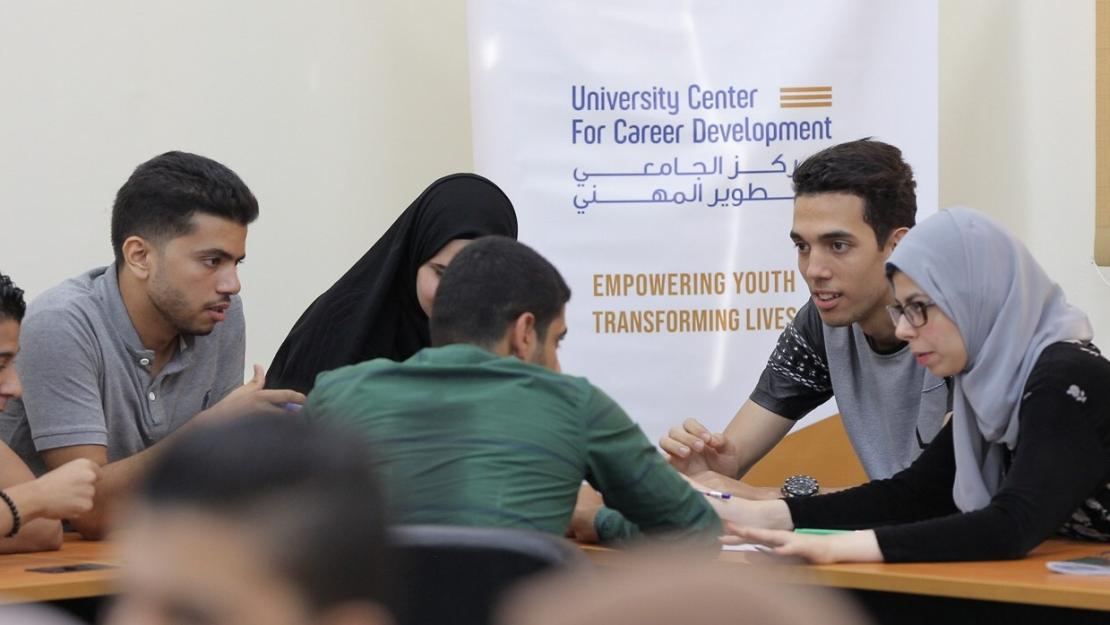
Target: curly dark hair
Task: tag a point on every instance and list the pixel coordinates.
(12, 305)
(872, 170)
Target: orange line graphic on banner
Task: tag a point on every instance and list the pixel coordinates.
(805, 97)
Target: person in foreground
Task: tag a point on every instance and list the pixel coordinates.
(644, 592)
(29, 507)
(483, 429)
(264, 520)
(119, 358)
(854, 203)
(380, 307)
(1027, 451)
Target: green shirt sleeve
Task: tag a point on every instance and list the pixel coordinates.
(613, 529)
(646, 495)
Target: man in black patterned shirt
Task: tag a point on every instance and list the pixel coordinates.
(854, 202)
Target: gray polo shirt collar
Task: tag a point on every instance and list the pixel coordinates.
(107, 291)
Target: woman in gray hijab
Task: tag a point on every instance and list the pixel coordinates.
(1026, 453)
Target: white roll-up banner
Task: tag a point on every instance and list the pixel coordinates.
(648, 146)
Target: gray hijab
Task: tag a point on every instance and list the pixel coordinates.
(1008, 311)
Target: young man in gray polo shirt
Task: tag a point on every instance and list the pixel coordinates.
(118, 358)
(854, 202)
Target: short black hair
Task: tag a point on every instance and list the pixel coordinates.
(488, 285)
(309, 490)
(12, 305)
(872, 170)
(160, 198)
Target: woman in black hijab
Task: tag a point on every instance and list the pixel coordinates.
(380, 307)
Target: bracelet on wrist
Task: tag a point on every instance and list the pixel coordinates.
(16, 521)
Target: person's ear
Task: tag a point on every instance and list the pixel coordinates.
(895, 238)
(522, 337)
(138, 255)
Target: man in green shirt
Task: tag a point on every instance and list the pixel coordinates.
(483, 429)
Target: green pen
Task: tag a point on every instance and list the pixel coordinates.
(820, 532)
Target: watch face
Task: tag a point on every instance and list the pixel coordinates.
(800, 486)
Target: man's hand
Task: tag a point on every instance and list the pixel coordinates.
(711, 480)
(585, 511)
(747, 513)
(693, 449)
(63, 493)
(251, 398)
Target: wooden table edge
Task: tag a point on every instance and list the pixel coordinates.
(893, 581)
(59, 590)
(939, 586)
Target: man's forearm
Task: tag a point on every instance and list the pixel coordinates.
(753, 432)
(117, 481)
(35, 534)
(38, 535)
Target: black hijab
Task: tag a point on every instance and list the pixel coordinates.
(372, 311)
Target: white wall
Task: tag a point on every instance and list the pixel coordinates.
(337, 113)
(1017, 124)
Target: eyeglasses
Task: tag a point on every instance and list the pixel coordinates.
(914, 312)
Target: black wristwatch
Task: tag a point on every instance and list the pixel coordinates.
(800, 486)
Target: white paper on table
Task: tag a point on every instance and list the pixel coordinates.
(744, 547)
(1081, 566)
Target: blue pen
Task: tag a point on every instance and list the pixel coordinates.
(291, 407)
(716, 494)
